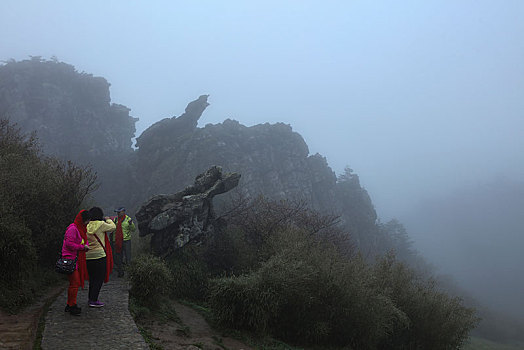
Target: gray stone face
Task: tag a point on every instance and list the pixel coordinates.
(74, 119)
(175, 220)
(273, 159)
(60, 103)
(71, 111)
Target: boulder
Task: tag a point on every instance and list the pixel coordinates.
(176, 219)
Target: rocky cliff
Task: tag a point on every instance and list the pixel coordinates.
(272, 159)
(74, 118)
(71, 111)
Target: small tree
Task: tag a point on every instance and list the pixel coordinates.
(253, 226)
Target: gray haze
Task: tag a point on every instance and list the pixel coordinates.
(420, 98)
(477, 235)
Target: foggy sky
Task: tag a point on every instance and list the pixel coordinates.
(418, 97)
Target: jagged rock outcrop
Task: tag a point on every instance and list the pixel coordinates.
(273, 159)
(169, 128)
(176, 219)
(60, 103)
(70, 111)
(74, 119)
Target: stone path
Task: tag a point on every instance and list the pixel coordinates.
(109, 327)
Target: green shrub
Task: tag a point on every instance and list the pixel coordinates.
(150, 280)
(40, 198)
(255, 226)
(242, 303)
(306, 293)
(137, 310)
(20, 292)
(290, 279)
(42, 192)
(190, 275)
(228, 252)
(15, 295)
(17, 253)
(309, 293)
(436, 320)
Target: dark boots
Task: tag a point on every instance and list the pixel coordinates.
(73, 310)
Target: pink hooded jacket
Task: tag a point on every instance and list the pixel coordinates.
(73, 242)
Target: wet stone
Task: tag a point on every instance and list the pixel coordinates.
(108, 327)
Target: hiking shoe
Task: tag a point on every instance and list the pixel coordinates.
(96, 304)
(75, 310)
(67, 308)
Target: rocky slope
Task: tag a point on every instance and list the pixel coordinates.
(73, 116)
(272, 159)
(75, 120)
(71, 111)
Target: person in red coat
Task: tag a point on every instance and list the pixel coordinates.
(76, 244)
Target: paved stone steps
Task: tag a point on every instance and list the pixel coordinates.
(109, 327)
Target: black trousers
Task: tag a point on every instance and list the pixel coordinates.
(97, 273)
(119, 257)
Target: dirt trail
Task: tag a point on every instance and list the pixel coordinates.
(19, 331)
(194, 333)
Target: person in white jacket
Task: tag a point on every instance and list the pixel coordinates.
(99, 258)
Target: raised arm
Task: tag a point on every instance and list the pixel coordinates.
(108, 226)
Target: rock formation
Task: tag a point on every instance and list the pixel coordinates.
(71, 111)
(272, 158)
(74, 119)
(176, 219)
(59, 103)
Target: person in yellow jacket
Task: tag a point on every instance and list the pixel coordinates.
(122, 239)
(99, 258)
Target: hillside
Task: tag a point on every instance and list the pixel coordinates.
(75, 120)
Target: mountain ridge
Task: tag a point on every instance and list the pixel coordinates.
(75, 120)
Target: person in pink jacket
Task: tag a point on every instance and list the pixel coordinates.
(75, 245)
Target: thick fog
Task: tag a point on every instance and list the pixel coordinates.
(421, 98)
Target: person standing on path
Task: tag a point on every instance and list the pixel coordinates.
(75, 245)
(124, 228)
(99, 257)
